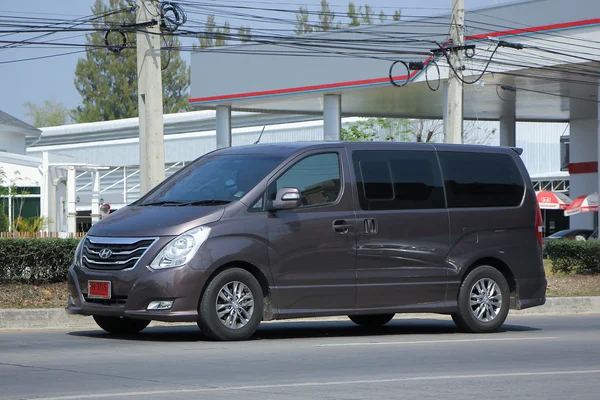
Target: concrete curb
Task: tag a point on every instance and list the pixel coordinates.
(57, 318)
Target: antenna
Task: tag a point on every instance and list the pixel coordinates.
(260, 136)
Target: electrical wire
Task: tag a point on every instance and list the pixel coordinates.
(391, 76)
(173, 15)
(42, 57)
(86, 20)
(517, 89)
(525, 27)
(439, 78)
(307, 45)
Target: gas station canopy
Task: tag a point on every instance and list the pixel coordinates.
(553, 77)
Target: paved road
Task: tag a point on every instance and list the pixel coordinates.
(533, 358)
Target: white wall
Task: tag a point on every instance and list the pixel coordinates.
(12, 143)
(541, 143)
(583, 148)
(21, 170)
(180, 147)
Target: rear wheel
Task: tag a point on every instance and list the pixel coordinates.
(483, 301)
(121, 325)
(231, 307)
(371, 321)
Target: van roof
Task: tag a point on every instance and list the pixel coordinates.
(286, 149)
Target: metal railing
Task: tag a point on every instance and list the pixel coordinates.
(40, 235)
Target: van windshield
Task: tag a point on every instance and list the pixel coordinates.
(213, 180)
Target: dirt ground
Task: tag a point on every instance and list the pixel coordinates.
(55, 295)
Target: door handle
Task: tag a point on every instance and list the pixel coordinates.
(370, 226)
(341, 226)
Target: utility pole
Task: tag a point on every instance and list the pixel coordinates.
(454, 108)
(150, 95)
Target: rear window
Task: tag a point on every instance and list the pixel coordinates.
(481, 180)
(398, 180)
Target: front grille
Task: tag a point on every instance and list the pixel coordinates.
(114, 301)
(109, 254)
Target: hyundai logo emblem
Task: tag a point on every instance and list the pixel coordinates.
(105, 253)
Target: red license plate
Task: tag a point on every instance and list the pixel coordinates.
(99, 289)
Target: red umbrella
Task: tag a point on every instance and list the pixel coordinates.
(553, 200)
(585, 203)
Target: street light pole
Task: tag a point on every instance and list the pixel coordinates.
(454, 112)
(150, 95)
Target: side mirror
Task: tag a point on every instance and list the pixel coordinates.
(286, 199)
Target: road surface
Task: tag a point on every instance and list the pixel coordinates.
(534, 357)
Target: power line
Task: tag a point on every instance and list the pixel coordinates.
(72, 25)
(523, 27)
(42, 57)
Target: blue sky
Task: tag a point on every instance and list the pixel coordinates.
(38, 80)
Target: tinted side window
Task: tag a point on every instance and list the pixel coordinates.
(481, 180)
(398, 180)
(317, 177)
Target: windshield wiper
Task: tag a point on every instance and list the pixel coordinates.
(207, 203)
(164, 203)
(188, 203)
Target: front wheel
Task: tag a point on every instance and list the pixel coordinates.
(231, 307)
(371, 321)
(483, 301)
(121, 325)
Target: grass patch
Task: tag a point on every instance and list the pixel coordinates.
(55, 295)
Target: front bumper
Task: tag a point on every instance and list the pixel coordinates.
(133, 290)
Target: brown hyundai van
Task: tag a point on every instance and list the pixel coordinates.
(275, 231)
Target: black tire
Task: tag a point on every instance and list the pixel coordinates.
(371, 321)
(121, 325)
(492, 316)
(208, 320)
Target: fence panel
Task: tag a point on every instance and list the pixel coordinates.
(40, 235)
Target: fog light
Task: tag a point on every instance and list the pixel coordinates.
(160, 305)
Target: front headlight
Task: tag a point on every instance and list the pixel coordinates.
(182, 249)
(78, 251)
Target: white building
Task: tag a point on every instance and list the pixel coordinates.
(295, 97)
(107, 154)
(19, 173)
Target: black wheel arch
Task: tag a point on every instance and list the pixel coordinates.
(503, 268)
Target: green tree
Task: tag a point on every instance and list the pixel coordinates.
(356, 16)
(50, 113)
(107, 80)
(4, 223)
(244, 34)
(4, 191)
(382, 16)
(30, 225)
(303, 21)
(326, 18)
(9, 191)
(215, 36)
(373, 129)
(367, 15)
(353, 14)
(412, 130)
(222, 35)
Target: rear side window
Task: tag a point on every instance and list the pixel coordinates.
(481, 180)
(398, 180)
